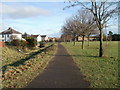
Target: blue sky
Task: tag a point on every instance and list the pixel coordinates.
(48, 21)
(39, 17)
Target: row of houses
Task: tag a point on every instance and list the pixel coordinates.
(10, 34)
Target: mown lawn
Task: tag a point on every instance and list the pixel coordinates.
(19, 69)
(101, 72)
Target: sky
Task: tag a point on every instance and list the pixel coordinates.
(45, 18)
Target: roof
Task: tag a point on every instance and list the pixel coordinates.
(10, 31)
(43, 35)
(35, 36)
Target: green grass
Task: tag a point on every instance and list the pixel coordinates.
(101, 72)
(20, 71)
(10, 55)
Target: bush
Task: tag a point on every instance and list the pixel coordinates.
(7, 43)
(23, 43)
(31, 42)
(15, 42)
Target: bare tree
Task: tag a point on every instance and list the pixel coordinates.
(13, 37)
(86, 24)
(70, 28)
(80, 24)
(102, 12)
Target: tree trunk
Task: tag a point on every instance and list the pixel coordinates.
(74, 42)
(88, 40)
(101, 43)
(83, 42)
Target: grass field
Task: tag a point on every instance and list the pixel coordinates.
(20, 68)
(101, 72)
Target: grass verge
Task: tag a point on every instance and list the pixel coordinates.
(19, 73)
(101, 72)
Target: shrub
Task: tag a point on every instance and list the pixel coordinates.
(7, 43)
(15, 42)
(31, 42)
(23, 43)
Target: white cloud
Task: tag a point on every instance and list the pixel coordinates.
(21, 11)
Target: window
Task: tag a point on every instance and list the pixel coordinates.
(7, 35)
(2, 36)
(3, 40)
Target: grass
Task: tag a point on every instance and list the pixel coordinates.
(101, 72)
(21, 69)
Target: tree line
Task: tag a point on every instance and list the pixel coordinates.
(81, 24)
(92, 18)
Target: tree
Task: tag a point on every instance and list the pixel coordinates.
(31, 42)
(86, 25)
(102, 12)
(13, 37)
(116, 37)
(81, 24)
(70, 29)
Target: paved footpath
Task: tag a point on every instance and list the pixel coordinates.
(61, 72)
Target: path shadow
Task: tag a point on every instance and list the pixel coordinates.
(74, 55)
(22, 61)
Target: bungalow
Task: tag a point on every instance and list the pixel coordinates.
(10, 34)
(37, 37)
(44, 38)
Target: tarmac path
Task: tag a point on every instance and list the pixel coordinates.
(61, 72)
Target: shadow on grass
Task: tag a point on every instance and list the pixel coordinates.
(22, 61)
(74, 55)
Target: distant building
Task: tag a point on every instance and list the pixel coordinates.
(52, 39)
(37, 37)
(79, 38)
(10, 34)
(44, 38)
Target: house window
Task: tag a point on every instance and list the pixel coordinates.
(2, 36)
(7, 35)
(3, 40)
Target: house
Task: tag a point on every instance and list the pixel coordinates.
(79, 38)
(10, 34)
(52, 39)
(44, 38)
(37, 37)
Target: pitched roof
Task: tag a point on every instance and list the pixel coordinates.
(10, 31)
(43, 35)
(35, 36)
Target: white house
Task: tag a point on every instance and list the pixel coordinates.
(10, 34)
(45, 38)
(37, 37)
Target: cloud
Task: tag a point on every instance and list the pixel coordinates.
(14, 11)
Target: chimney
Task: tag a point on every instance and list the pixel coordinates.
(9, 28)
